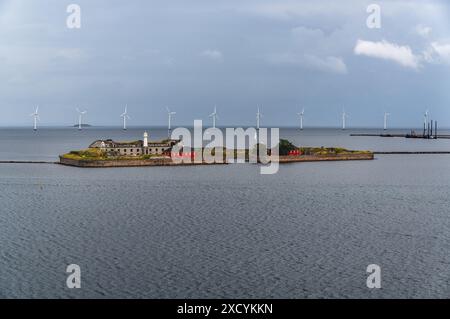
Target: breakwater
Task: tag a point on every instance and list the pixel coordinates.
(413, 152)
(27, 162)
(126, 163)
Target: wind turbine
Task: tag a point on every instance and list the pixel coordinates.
(425, 121)
(258, 118)
(425, 117)
(344, 117)
(125, 116)
(80, 116)
(301, 114)
(214, 116)
(35, 116)
(170, 114)
(385, 120)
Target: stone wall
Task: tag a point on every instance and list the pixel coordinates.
(166, 161)
(124, 163)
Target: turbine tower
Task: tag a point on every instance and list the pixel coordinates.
(35, 116)
(385, 120)
(425, 117)
(125, 117)
(301, 114)
(258, 118)
(80, 117)
(425, 122)
(214, 116)
(344, 117)
(170, 114)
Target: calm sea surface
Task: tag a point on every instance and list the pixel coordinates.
(224, 231)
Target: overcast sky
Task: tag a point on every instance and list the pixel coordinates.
(190, 55)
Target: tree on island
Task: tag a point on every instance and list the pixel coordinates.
(285, 147)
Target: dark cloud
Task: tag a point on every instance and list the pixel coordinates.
(190, 55)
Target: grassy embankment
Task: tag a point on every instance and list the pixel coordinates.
(285, 147)
(95, 154)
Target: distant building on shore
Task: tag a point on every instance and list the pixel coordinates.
(135, 148)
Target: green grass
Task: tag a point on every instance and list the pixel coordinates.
(95, 154)
(329, 151)
(90, 154)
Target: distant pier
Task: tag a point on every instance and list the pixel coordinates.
(411, 135)
(412, 152)
(430, 132)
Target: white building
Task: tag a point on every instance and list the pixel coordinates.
(135, 148)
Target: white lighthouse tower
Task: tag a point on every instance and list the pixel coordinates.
(145, 139)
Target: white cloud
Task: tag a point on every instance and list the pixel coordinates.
(439, 52)
(328, 64)
(423, 31)
(402, 55)
(214, 55)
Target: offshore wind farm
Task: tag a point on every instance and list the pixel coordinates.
(430, 127)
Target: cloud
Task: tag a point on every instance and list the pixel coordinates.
(330, 9)
(312, 38)
(439, 52)
(70, 53)
(312, 49)
(327, 64)
(402, 55)
(291, 9)
(423, 31)
(213, 55)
